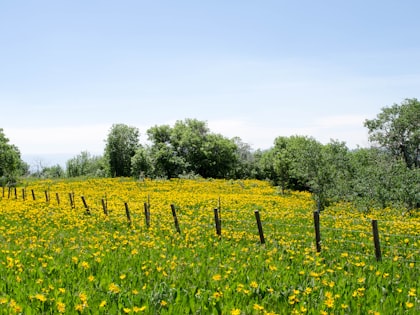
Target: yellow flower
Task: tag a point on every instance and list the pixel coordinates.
(103, 303)
(235, 311)
(61, 307)
(138, 309)
(217, 277)
(258, 307)
(412, 292)
(409, 304)
(253, 285)
(85, 265)
(217, 294)
(114, 288)
(126, 310)
(40, 297)
(123, 276)
(163, 303)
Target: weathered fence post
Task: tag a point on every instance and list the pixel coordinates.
(217, 222)
(33, 194)
(317, 231)
(376, 242)
(86, 206)
(127, 213)
(23, 194)
(260, 229)
(16, 193)
(71, 201)
(147, 214)
(47, 196)
(104, 206)
(175, 218)
(58, 198)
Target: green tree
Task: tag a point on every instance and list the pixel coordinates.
(121, 145)
(165, 160)
(142, 163)
(85, 164)
(11, 165)
(397, 129)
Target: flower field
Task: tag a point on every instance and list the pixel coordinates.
(61, 255)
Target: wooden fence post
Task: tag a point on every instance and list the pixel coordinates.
(58, 198)
(33, 194)
(260, 229)
(217, 222)
(127, 213)
(104, 206)
(47, 196)
(86, 206)
(376, 242)
(317, 231)
(23, 194)
(71, 201)
(16, 197)
(175, 218)
(147, 214)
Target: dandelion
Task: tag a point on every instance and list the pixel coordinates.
(235, 311)
(217, 277)
(163, 303)
(126, 310)
(114, 288)
(103, 303)
(40, 297)
(258, 307)
(409, 304)
(412, 292)
(85, 265)
(123, 276)
(61, 307)
(253, 285)
(139, 309)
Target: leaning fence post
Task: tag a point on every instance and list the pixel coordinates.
(260, 229)
(47, 196)
(33, 194)
(127, 212)
(217, 222)
(175, 218)
(85, 204)
(317, 231)
(376, 242)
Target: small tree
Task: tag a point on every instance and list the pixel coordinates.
(121, 145)
(11, 165)
(397, 129)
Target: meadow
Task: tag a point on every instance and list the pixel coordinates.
(62, 256)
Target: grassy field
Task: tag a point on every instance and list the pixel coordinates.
(58, 258)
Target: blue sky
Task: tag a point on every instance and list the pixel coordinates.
(253, 69)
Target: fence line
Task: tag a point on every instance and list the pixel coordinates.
(217, 223)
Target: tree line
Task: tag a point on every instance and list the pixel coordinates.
(387, 174)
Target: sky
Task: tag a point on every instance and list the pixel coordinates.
(257, 70)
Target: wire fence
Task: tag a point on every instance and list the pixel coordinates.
(332, 235)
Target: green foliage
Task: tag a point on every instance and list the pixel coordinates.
(397, 129)
(121, 145)
(85, 164)
(190, 148)
(11, 165)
